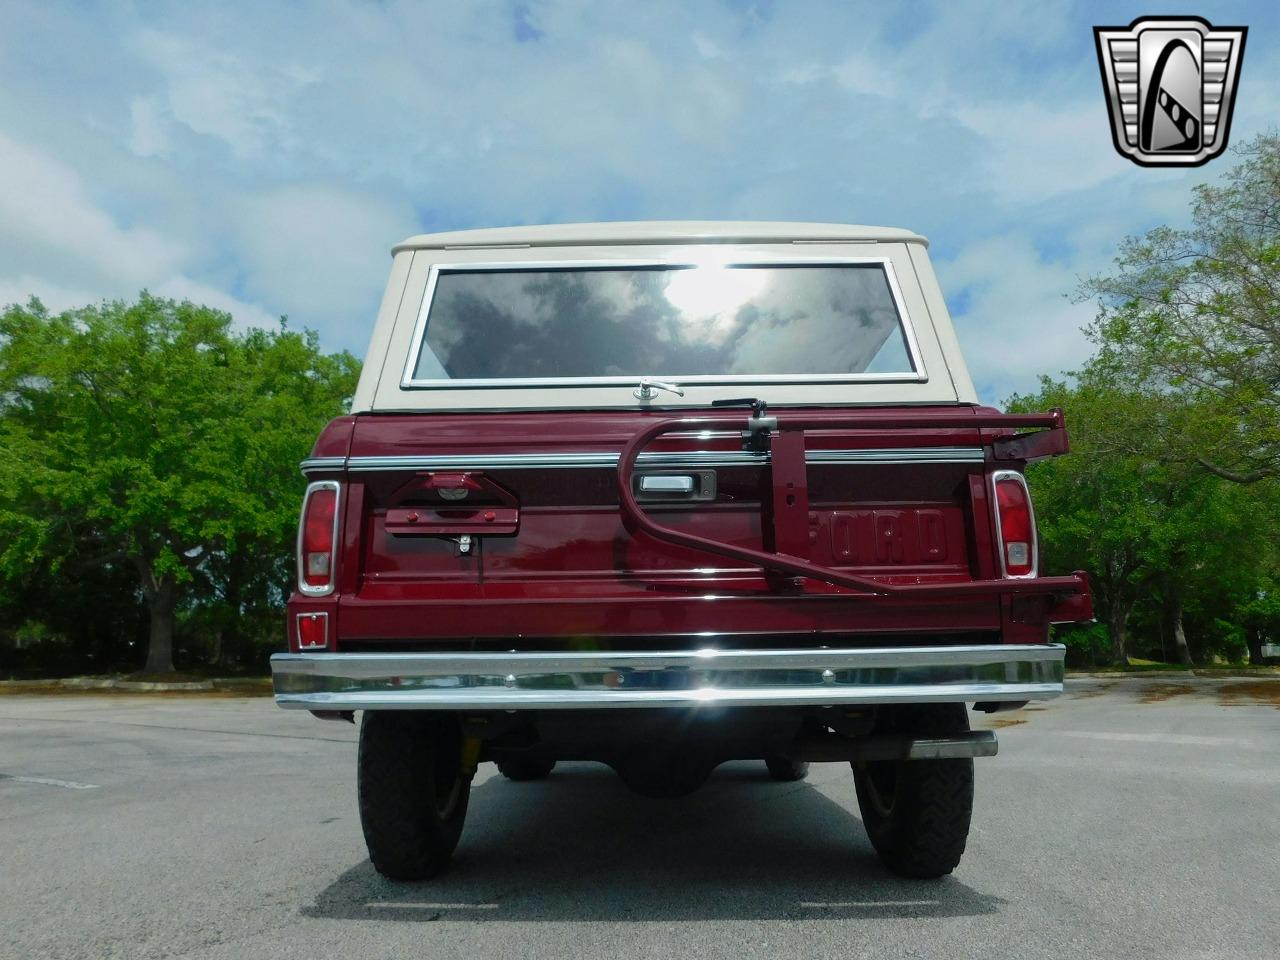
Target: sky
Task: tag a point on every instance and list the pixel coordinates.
(263, 157)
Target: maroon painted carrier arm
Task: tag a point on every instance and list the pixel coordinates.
(791, 498)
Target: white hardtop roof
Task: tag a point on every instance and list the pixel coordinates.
(658, 232)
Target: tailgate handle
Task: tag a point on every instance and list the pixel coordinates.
(667, 483)
(672, 486)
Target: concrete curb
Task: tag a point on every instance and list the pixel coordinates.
(85, 683)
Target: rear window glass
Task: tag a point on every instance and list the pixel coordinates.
(719, 321)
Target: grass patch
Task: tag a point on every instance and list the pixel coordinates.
(105, 687)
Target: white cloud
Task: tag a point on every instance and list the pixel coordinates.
(147, 136)
(866, 74)
(1017, 320)
(1025, 147)
(62, 247)
(707, 48)
(50, 219)
(57, 298)
(245, 314)
(240, 100)
(320, 250)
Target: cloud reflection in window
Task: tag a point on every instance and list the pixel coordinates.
(711, 319)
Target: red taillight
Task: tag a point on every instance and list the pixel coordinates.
(1016, 525)
(317, 547)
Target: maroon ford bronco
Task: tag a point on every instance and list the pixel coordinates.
(664, 495)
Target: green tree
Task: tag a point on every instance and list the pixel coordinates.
(1092, 509)
(61, 621)
(1149, 530)
(1260, 616)
(1191, 317)
(151, 434)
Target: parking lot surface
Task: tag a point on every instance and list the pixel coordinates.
(1129, 818)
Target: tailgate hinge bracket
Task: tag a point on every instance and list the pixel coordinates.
(759, 426)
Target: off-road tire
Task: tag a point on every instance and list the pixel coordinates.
(521, 769)
(917, 812)
(786, 770)
(413, 792)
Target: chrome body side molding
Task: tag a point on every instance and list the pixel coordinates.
(318, 464)
(694, 678)
(609, 460)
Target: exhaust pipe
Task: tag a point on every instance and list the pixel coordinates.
(830, 747)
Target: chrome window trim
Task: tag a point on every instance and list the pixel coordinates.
(689, 678)
(303, 587)
(408, 382)
(607, 460)
(996, 477)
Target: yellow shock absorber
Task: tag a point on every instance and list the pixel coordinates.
(470, 756)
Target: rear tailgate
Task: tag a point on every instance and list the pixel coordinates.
(538, 553)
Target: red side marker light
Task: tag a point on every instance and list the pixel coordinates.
(313, 631)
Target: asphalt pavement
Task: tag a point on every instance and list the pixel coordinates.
(1134, 818)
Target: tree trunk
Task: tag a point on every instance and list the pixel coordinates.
(1180, 640)
(1253, 637)
(1117, 623)
(231, 649)
(162, 597)
(160, 644)
(1118, 592)
(1173, 614)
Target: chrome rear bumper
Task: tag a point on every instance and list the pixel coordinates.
(693, 678)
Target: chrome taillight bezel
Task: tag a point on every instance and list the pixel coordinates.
(996, 478)
(305, 588)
